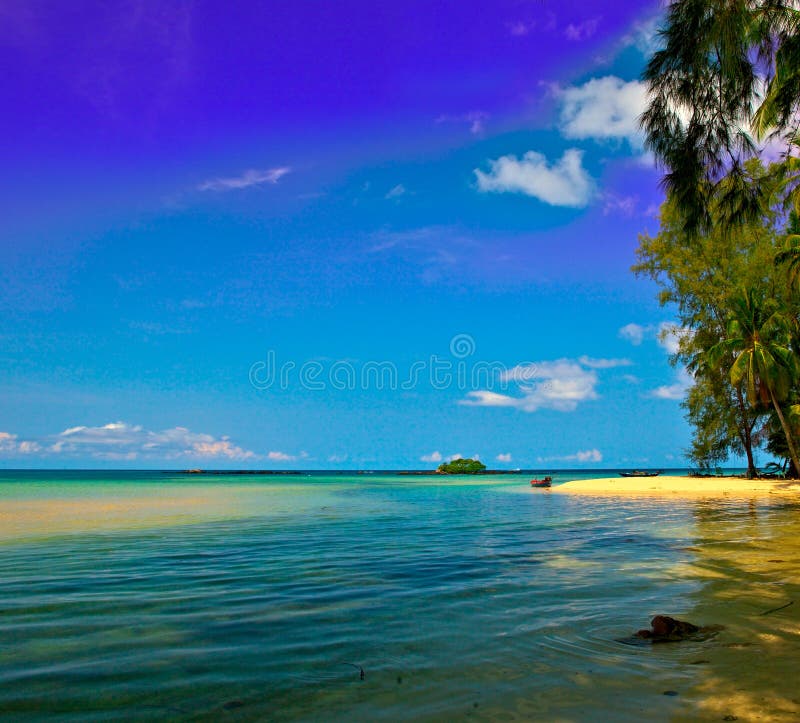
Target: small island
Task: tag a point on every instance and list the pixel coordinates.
(461, 466)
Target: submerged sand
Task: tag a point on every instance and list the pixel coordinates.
(672, 486)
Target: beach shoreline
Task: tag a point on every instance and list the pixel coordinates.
(673, 486)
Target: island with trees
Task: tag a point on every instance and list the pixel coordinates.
(461, 466)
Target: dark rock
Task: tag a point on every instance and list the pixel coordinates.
(233, 704)
(665, 628)
(671, 692)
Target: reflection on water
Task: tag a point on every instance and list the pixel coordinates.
(748, 559)
(487, 600)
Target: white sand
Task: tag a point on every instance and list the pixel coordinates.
(667, 486)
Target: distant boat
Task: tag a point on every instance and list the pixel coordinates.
(639, 473)
(545, 482)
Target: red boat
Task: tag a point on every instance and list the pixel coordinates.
(545, 482)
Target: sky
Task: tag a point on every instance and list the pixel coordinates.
(330, 235)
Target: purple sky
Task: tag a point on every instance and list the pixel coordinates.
(187, 185)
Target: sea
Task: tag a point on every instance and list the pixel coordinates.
(370, 596)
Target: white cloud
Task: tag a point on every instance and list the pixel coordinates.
(603, 109)
(604, 363)
(439, 457)
(396, 192)
(10, 444)
(634, 333)
(490, 399)
(671, 391)
(280, 457)
(619, 205)
(559, 385)
(585, 455)
(432, 457)
(7, 441)
(476, 119)
(565, 183)
(581, 31)
(670, 336)
(247, 179)
(589, 455)
(644, 36)
(119, 440)
(504, 457)
(676, 391)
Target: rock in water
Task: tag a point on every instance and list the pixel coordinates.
(666, 628)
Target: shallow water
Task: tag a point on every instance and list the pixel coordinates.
(144, 596)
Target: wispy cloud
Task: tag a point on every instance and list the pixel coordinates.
(247, 179)
(396, 191)
(581, 31)
(564, 183)
(475, 119)
(643, 36)
(634, 333)
(677, 390)
(277, 456)
(583, 456)
(668, 334)
(671, 335)
(506, 457)
(436, 457)
(119, 440)
(12, 445)
(593, 363)
(439, 251)
(560, 385)
(432, 457)
(614, 204)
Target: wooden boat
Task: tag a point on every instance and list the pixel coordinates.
(639, 473)
(544, 482)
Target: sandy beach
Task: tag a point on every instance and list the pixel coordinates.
(673, 486)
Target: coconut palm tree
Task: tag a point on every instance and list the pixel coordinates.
(758, 338)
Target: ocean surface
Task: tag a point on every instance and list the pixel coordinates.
(151, 595)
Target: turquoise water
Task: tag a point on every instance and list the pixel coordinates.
(222, 598)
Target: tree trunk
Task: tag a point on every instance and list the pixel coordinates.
(752, 472)
(787, 432)
(746, 433)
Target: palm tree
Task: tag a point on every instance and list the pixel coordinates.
(790, 256)
(704, 85)
(757, 339)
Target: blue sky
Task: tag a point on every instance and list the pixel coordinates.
(336, 192)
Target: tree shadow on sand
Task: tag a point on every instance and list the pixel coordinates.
(747, 557)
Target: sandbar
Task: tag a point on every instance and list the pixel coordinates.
(674, 486)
